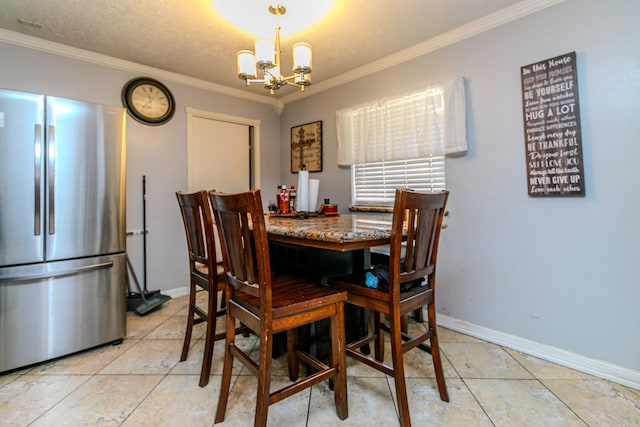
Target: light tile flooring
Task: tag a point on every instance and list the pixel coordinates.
(141, 383)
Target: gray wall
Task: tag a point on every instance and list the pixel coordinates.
(159, 152)
(558, 271)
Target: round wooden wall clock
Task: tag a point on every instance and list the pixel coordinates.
(148, 101)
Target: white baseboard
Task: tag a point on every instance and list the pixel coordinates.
(177, 292)
(605, 370)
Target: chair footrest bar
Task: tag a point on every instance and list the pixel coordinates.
(292, 389)
(246, 360)
(203, 316)
(368, 360)
(239, 330)
(362, 341)
(422, 346)
(310, 360)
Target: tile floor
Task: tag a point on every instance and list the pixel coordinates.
(141, 383)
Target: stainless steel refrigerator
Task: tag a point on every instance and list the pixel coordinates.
(62, 227)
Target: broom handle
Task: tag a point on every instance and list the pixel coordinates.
(135, 279)
(144, 232)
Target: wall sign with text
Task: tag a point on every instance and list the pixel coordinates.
(553, 140)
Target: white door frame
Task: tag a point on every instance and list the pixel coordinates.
(255, 141)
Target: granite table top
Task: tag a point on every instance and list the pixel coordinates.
(341, 232)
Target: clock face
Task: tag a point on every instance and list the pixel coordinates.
(148, 101)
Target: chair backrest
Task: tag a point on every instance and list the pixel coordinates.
(417, 219)
(198, 225)
(240, 222)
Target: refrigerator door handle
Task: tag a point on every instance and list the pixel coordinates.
(52, 179)
(21, 277)
(37, 187)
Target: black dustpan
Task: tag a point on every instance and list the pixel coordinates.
(140, 302)
(150, 304)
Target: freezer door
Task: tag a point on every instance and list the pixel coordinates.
(53, 309)
(21, 178)
(85, 170)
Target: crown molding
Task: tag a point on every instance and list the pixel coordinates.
(30, 42)
(473, 28)
(496, 19)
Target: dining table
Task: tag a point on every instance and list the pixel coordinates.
(342, 232)
(321, 246)
(325, 237)
(356, 233)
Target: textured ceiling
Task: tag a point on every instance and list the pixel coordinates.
(192, 39)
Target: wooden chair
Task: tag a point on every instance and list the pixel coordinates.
(421, 230)
(270, 304)
(198, 226)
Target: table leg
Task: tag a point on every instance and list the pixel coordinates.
(320, 264)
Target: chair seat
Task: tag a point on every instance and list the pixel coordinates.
(290, 295)
(205, 270)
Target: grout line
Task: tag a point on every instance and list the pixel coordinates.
(234, 383)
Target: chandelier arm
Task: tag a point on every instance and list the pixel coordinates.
(248, 81)
(290, 80)
(273, 76)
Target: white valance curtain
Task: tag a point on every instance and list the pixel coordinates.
(410, 126)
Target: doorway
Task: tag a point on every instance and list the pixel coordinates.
(222, 152)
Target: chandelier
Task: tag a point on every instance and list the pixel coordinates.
(264, 66)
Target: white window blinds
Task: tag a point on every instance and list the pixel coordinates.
(411, 126)
(374, 184)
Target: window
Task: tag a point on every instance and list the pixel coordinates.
(410, 126)
(375, 183)
(401, 141)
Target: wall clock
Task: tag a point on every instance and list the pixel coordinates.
(148, 101)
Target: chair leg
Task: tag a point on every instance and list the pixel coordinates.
(223, 300)
(190, 314)
(338, 358)
(418, 315)
(404, 323)
(264, 379)
(227, 368)
(395, 325)
(210, 337)
(377, 328)
(292, 357)
(435, 354)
